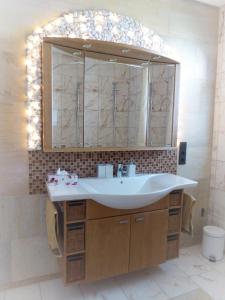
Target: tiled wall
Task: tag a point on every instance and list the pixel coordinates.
(217, 185)
(84, 164)
(187, 26)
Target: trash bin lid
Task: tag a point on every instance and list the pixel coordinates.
(214, 231)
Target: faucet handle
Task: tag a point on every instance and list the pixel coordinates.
(119, 170)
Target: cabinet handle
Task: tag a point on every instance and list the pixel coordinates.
(123, 222)
(139, 219)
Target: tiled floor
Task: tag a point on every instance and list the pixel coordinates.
(191, 277)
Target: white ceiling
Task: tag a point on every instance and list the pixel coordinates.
(213, 2)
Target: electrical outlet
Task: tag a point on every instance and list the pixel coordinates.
(182, 153)
(202, 212)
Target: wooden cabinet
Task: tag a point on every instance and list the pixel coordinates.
(101, 242)
(148, 244)
(107, 241)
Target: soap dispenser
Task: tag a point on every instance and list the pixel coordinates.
(131, 170)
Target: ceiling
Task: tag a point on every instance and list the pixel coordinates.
(213, 2)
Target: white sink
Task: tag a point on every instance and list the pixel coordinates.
(124, 192)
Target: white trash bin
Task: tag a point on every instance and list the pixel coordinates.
(213, 243)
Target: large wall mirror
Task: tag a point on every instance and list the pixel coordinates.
(105, 96)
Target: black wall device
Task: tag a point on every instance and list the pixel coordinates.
(182, 153)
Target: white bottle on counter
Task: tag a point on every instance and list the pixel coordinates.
(108, 170)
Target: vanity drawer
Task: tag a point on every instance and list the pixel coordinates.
(75, 210)
(173, 246)
(75, 237)
(96, 210)
(175, 198)
(174, 220)
(75, 268)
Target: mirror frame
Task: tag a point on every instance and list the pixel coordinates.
(103, 47)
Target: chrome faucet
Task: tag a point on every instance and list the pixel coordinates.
(129, 170)
(120, 171)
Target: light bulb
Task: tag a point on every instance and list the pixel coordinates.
(29, 78)
(48, 27)
(99, 28)
(28, 62)
(30, 128)
(35, 136)
(36, 87)
(83, 27)
(35, 105)
(31, 144)
(130, 34)
(29, 112)
(30, 94)
(38, 30)
(69, 18)
(99, 19)
(35, 120)
(115, 30)
(82, 18)
(114, 18)
(72, 35)
(30, 46)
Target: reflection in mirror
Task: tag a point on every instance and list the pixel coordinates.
(162, 78)
(67, 96)
(97, 101)
(116, 98)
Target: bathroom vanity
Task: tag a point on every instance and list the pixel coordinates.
(98, 242)
(112, 232)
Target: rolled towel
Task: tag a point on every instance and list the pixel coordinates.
(188, 204)
(52, 227)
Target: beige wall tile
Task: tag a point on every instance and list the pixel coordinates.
(32, 258)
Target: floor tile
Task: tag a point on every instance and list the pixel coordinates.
(194, 295)
(55, 290)
(138, 286)
(191, 262)
(213, 283)
(172, 280)
(102, 290)
(24, 293)
(2, 295)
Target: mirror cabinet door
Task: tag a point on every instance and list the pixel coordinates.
(161, 114)
(116, 99)
(67, 97)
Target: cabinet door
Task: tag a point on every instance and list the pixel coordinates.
(148, 239)
(107, 244)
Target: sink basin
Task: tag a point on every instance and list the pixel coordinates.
(124, 192)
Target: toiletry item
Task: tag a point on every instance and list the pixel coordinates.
(71, 179)
(101, 170)
(52, 179)
(131, 170)
(62, 177)
(109, 170)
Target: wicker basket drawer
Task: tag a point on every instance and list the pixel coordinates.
(174, 220)
(75, 210)
(172, 246)
(75, 237)
(75, 268)
(175, 198)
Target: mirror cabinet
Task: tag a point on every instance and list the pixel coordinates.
(107, 96)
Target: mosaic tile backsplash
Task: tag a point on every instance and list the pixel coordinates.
(84, 164)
